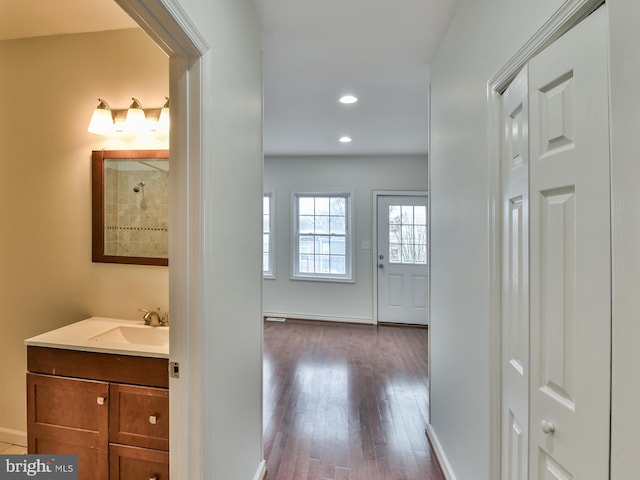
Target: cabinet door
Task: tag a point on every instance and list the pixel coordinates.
(139, 416)
(135, 463)
(69, 416)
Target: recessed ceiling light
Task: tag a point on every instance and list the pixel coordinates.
(344, 139)
(348, 99)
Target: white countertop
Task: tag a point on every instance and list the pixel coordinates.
(107, 335)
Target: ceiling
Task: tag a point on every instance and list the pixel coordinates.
(314, 52)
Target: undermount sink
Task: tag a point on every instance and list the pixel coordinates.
(134, 336)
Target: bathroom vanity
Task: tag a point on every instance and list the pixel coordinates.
(99, 389)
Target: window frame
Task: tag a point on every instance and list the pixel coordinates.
(270, 273)
(349, 275)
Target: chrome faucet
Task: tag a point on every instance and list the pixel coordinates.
(152, 318)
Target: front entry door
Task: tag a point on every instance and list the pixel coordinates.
(570, 256)
(402, 259)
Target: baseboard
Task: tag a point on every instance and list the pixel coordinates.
(320, 318)
(261, 474)
(442, 457)
(15, 437)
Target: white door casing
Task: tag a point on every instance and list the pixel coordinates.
(402, 259)
(570, 256)
(515, 279)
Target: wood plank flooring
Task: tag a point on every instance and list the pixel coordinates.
(346, 402)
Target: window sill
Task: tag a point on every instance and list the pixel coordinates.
(318, 278)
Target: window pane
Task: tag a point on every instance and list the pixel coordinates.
(323, 264)
(306, 224)
(394, 253)
(407, 254)
(420, 213)
(338, 265)
(421, 254)
(420, 235)
(266, 204)
(407, 214)
(305, 263)
(265, 223)
(394, 214)
(322, 206)
(407, 234)
(322, 225)
(322, 245)
(306, 206)
(338, 246)
(265, 262)
(338, 206)
(265, 243)
(394, 234)
(305, 245)
(337, 225)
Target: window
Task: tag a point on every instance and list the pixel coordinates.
(322, 240)
(408, 234)
(267, 236)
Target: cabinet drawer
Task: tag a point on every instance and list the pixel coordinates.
(139, 416)
(135, 463)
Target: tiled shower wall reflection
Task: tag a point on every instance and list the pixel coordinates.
(136, 223)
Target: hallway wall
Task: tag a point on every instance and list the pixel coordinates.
(482, 37)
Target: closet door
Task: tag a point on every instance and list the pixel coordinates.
(515, 279)
(570, 256)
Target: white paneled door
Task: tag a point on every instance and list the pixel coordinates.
(570, 263)
(402, 259)
(515, 279)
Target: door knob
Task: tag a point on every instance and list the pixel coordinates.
(548, 428)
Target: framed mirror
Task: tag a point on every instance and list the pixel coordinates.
(130, 206)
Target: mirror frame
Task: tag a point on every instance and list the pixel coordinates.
(97, 205)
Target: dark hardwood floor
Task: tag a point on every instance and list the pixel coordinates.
(346, 402)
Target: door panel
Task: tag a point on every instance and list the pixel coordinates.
(403, 281)
(570, 256)
(515, 279)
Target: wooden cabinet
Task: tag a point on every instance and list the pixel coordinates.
(110, 410)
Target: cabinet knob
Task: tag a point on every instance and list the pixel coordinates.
(100, 400)
(153, 419)
(153, 478)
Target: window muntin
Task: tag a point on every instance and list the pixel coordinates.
(408, 234)
(321, 236)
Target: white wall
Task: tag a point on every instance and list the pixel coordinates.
(351, 302)
(229, 443)
(482, 37)
(48, 88)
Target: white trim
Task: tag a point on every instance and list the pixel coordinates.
(374, 244)
(565, 18)
(321, 318)
(262, 471)
(15, 437)
(440, 455)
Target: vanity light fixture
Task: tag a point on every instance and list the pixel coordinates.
(163, 119)
(348, 99)
(345, 139)
(102, 119)
(134, 120)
